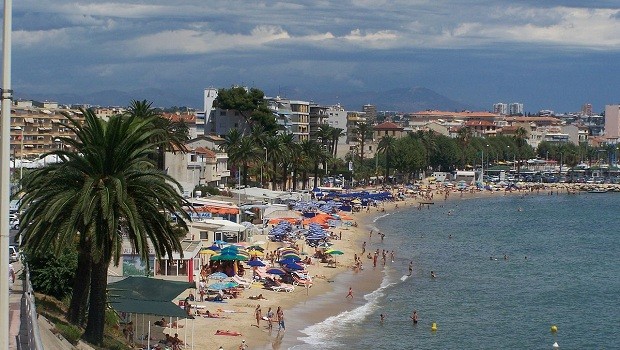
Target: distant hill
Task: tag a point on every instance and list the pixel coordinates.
(402, 100)
(159, 98)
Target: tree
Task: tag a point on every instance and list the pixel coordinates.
(105, 187)
(387, 147)
(520, 142)
(336, 134)
(175, 133)
(362, 131)
(250, 103)
(464, 136)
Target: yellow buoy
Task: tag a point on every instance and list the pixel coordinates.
(554, 328)
(434, 327)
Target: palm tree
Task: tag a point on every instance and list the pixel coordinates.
(363, 131)
(105, 188)
(175, 132)
(520, 141)
(275, 154)
(288, 145)
(464, 136)
(336, 134)
(387, 146)
(232, 141)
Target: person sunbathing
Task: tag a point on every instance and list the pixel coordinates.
(209, 314)
(257, 297)
(227, 332)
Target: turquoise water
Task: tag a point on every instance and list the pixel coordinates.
(570, 278)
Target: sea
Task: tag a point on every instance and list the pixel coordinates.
(507, 269)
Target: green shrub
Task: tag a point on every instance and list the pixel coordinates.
(69, 332)
(214, 191)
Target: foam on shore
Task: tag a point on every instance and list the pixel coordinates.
(327, 331)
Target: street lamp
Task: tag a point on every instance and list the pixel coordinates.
(21, 151)
(261, 168)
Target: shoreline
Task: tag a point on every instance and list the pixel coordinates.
(326, 298)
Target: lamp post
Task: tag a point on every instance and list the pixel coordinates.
(21, 151)
(261, 168)
(5, 153)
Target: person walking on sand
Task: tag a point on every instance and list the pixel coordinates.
(350, 294)
(280, 315)
(258, 314)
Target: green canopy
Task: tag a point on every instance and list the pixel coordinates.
(144, 295)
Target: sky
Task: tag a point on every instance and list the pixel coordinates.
(547, 54)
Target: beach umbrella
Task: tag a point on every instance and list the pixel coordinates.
(217, 276)
(214, 247)
(288, 261)
(294, 267)
(291, 256)
(276, 271)
(334, 252)
(222, 285)
(229, 257)
(208, 251)
(254, 263)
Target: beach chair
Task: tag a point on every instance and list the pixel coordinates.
(298, 281)
(242, 282)
(283, 288)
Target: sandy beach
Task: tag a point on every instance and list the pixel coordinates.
(238, 315)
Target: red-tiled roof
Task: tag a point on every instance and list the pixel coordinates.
(202, 150)
(388, 126)
(174, 117)
(479, 123)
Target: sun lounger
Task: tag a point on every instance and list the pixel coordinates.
(242, 282)
(283, 288)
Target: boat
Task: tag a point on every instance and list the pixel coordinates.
(598, 190)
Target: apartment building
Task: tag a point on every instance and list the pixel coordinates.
(36, 128)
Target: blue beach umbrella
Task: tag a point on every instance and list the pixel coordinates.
(294, 267)
(255, 263)
(276, 271)
(222, 285)
(288, 261)
(217, 276)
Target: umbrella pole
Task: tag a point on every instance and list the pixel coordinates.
(193, 323)
(185, 336)
(148, 337)
(143, 326)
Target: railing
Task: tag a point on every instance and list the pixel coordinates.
(29, 335)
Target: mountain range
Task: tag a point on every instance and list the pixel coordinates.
(399, 100)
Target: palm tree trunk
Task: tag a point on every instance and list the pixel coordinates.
(96, 311)
(275, 175)
(284, 176)
(245, 174)
(81, 286)
(316, 174)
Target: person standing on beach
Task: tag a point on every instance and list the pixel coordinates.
(258, 313)
(270, 319)
(350, 294)
(280, 315)
(363, 247)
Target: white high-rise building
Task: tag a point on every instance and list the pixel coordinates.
(515, 108)
(612, 121)
(500, 108)
(204, 120)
